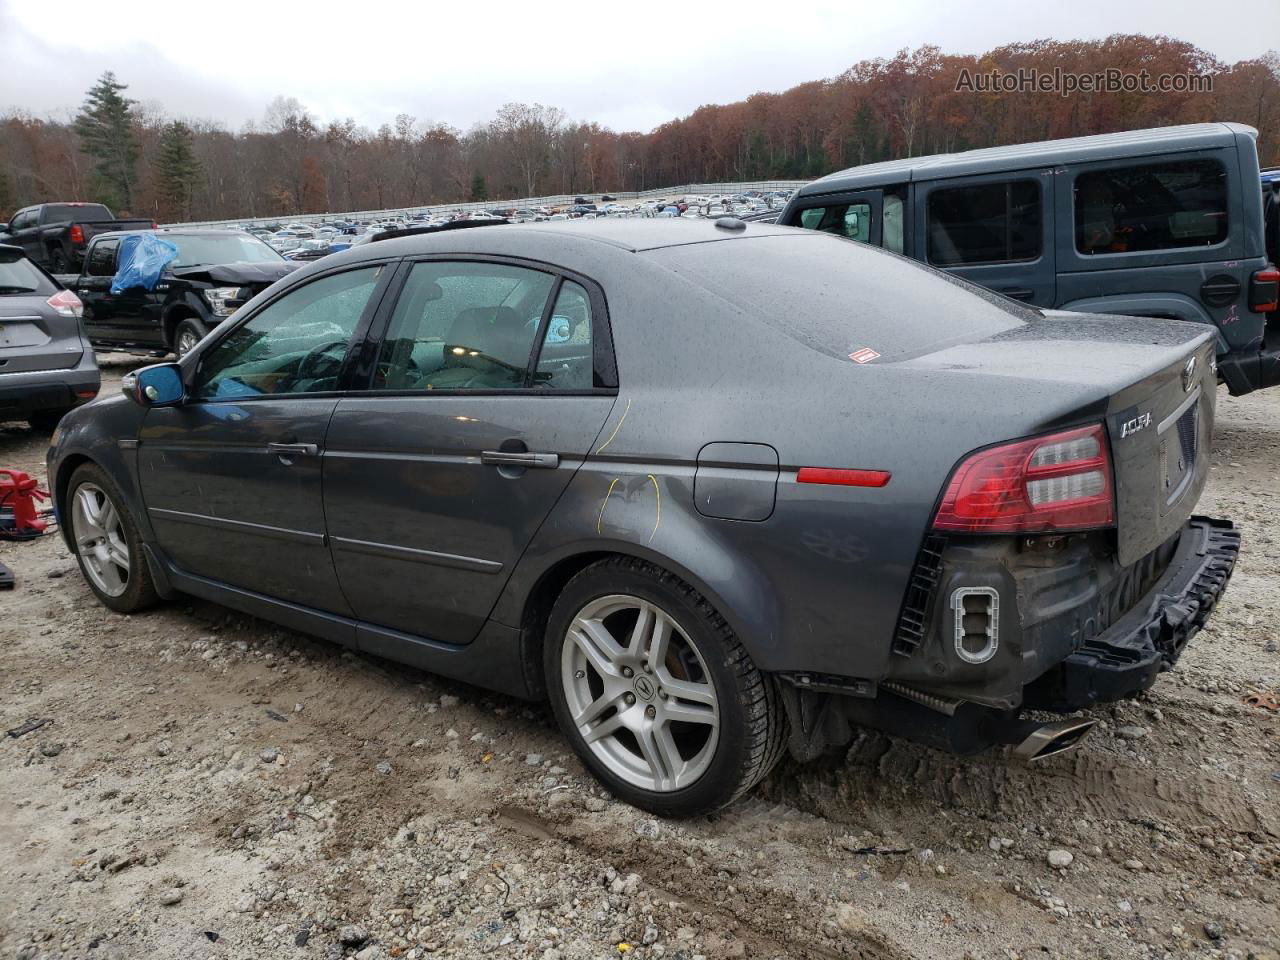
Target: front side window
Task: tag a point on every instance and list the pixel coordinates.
(984, 223)
(849, 220)
(1151, 206)
(463, 326)
(294, 345)
(102, 259)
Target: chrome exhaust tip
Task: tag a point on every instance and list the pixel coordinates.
(1052, 739)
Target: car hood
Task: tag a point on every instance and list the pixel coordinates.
(240, 274)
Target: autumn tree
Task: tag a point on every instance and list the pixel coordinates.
(105, 127)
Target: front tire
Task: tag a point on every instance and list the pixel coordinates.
(655, 692)
(107, 543)
(46, 421)
(186, 336)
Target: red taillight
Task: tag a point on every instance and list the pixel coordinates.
(77, 235)
(1264, 290)
(66, 304)
(1059, 482)
(842, 478)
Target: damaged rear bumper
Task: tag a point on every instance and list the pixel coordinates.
(1046, 661)
(1147, 640)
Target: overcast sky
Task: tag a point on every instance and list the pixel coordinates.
(629, 66)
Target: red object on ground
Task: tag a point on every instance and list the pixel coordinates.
(20, 493)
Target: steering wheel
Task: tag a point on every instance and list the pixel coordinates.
(312, 357)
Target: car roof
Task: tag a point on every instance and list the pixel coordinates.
(545, 240)
(1195, 136)
(193, 232)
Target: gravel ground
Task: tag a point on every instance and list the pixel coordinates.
(214, 786)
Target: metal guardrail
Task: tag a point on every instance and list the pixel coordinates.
(552, 201)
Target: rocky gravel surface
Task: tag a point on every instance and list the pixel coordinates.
(211, 786)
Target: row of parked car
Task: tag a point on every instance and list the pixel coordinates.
(1165, 223)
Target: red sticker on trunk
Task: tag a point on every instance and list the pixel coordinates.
(865, 355)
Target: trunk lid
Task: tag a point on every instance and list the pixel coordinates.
(1154, 384)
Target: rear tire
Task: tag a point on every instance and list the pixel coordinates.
(107, 543)
(46, 421)
(58, 262)
(655, 692)
(186, 336)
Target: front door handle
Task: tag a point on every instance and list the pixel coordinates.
(1018, 293)
(294, 449)
(509, 458)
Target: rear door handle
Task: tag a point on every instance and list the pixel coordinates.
(504, 458)
(294, 449)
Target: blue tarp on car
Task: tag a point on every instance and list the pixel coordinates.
(142, 259)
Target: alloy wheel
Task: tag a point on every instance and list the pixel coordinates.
(639, 693)
(100, 539)
(186, 342)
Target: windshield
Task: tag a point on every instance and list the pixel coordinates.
(75, 212)
(232, 248)
(841, 297)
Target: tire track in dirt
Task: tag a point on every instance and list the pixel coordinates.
(880, 772)
(758, 910)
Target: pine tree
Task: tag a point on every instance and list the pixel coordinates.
(479, 190)
(177, 170)
(105, 126)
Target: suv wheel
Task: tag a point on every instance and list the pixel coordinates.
(46, 421)
(655, 692)
(58, 262)
(188, 334)
(108, 547)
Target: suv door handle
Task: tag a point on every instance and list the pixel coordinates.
(507, 458)
(294, 449)
(1018, 293)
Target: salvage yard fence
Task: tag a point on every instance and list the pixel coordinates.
(555, 201)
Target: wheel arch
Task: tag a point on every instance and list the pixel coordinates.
(743, 602)
(175, 315)
(61, 485)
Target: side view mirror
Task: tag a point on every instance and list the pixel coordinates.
(159, 385)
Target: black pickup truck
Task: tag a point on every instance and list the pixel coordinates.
(55, 235)
(215, 272)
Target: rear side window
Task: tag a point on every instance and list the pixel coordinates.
(984, 223)
(849, 220)
(102, 258)
(463, 326)
(75, 212)
(23, 277)
(1151, 206)
(565, 358)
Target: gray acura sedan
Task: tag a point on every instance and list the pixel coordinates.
(714, 489)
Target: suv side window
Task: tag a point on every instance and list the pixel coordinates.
(464, 325)
(296, 344)
(1151, 206)
(102, 258)
(984, 223)
(849, 220)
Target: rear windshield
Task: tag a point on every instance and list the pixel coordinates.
(212, 250)
(75, 212)
(23, 277)
(840, 297)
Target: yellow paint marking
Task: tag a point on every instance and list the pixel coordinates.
(658, 503)
(600, 519)
(627, 410)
